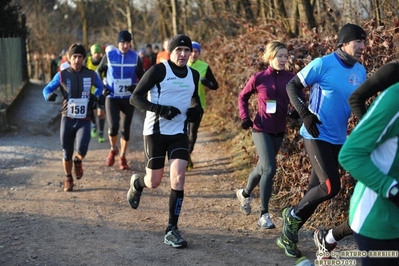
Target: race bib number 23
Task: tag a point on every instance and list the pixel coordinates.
(121, 87)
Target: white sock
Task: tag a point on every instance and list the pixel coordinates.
(294, 215)
(329, 237)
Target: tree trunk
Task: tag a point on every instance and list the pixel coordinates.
(174, 16)
(81, 5)
(306, 15)
(377, 12)
(294, 29)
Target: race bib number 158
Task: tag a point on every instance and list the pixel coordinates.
(77, 108)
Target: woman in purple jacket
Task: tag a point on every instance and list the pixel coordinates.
(268, 126)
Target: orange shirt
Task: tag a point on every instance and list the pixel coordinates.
(163, 55)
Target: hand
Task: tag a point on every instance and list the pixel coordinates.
(206, 82)
(246, 123)
(310, 121)
(93, 101)
(51, 97)
(169, 112)
(293, 114)
(106, 92)
(131, 88)
(193, 114)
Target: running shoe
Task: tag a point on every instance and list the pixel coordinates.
(111, 157)
(101, 138)
(265, 222)
(93, 132)
(319, 238)
(291, 225)
(290, 248)
(133, 195)
(174, 239)
(78, 168)
(68, 184)
(245, 206)
(123, 163)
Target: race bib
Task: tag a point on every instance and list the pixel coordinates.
(121, 86)
(271, 106)
(77, 108)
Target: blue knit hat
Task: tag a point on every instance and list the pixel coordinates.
(196, 46)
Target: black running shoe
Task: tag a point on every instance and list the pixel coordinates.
(133, 195)
(174, 239)
(290, 248)
(290, 225)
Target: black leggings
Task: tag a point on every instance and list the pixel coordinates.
(342, 231)
(192, 137)
(119, 110)
(374, 259)
(324, 181)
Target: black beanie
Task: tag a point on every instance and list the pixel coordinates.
(77, 49)
(179, 40)
(124, 36)
(350, 32)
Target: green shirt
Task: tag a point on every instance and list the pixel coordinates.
(201, 67)
(371, 155)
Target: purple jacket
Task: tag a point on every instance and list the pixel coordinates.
(269, 85)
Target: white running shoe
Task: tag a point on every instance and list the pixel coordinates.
(265, 222)
(245, 206)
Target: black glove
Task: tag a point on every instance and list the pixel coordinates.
(206, 82)
(246, 123)
(131, 88)
(51, 97)
(106, 92)
(93, 101)
(168, 112)
(310, 121)
(293, 114)
(193, 114)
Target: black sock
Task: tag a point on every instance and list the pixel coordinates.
(245, 194)
(139, 184)
(175, 204)
(263, 212)
(101, 125)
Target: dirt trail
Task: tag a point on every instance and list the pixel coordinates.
(94, 225)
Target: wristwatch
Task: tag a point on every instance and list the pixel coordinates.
(394, 194)
(394, 191)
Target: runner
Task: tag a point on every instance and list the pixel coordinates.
(75, 84)
(169, 94)
(123, 69)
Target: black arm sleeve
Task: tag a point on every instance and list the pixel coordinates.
(103, 66)
(382, 79)
(295, 93)
(139, 68)
(150, 78)
(209, 76)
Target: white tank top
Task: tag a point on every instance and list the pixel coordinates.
(173, 91)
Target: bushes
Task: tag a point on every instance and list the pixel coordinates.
(233, 61)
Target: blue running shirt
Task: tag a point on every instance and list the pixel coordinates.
(331, 83)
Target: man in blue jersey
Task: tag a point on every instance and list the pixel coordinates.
(331, 79)
(75, 82)
(123, 69)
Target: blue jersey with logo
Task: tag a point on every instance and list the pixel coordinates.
(331, 83)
